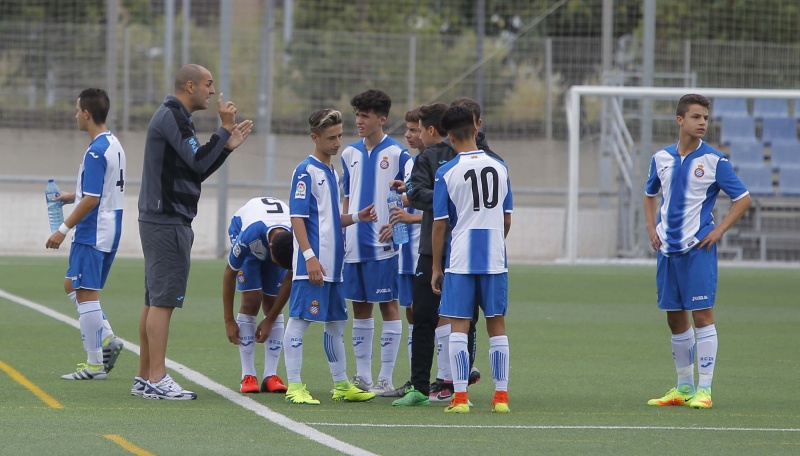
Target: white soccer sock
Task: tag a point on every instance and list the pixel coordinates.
(363, 332)
(390, 345)
(90, 321)
(443, 352)
(410, 332)
(272, 348)
(499, 360)
(293, 348)
(459, 360)
(683, 353)
(333, 341)
(107, 331)
(706, 355)
(247, 346)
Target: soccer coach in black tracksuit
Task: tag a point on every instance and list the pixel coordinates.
(426, 302)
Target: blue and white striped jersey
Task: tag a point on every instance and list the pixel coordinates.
(272, 211)
(315, 198)
(366, 178)
(409, 252)
(689, 188)
(473, 190)
(102, 174)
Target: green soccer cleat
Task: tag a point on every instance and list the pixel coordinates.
(348, 392)
(673, 397)
(702, 400)
(412, 398)
(298, 394)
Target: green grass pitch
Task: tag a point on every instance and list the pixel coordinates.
(588, 349)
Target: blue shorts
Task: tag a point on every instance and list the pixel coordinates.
(88, 267)
(317, 303)
(405, 288)
(688, 281)
(461, 292)
(260, 275)
(371, 281)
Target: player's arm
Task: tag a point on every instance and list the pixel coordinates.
(738, 208)
(66, 198)
(367, 214)
(315, 270)
(506, 223)
(284, 292)
(228, 292)
(650, 208)
(87, 204)
(437, 242)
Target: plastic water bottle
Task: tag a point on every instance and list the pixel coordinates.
(399, 230)
(55, 209)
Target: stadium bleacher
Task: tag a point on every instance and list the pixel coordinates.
(764, 108)
(784, 153)
(726, 108)
(747, 152)
(737, 129)
(778, 129)
(757, 179)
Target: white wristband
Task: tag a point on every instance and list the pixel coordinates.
(356, 219)
(308, 254)
(64, 229)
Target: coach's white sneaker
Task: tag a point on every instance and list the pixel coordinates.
(167, 389)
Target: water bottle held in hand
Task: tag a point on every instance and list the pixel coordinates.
(55, 209)
(399, 230)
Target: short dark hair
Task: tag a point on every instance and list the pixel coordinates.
(431, 116)
(283, 249)
(96, 102)
(373, 100)
(413, 115)
(467, 102)
(691, 99)
(459, 122)
(323, 118)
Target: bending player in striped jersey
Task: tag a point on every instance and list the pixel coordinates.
(258, 278)
(97, 219)
(473, 192)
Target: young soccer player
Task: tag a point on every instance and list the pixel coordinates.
(97, 220)
(409, 252)
(473, 192)
(690, 175)
(316, 291)
(251, 268)
(371, 269)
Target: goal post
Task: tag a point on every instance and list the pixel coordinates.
(576, 94)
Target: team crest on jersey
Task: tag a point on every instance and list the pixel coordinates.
(300, 190)
(314, 308)
(699, 171)
(385, 163)
(240, 277)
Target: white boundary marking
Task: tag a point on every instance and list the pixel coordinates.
(245, 402)
(499, 426)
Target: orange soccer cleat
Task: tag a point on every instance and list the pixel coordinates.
(273, 384)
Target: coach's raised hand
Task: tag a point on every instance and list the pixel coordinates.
(227, 113)
(240, 132)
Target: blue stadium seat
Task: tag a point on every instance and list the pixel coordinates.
(725, 108)
(747, 153)
(764, 108)
(785, 153)
(778, 129)
(797, 108)
(757, 179)
(789, 181)
(736, 129)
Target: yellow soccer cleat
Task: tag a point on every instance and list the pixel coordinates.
(348, 392)
(702, 400)
(298, 394)
(673, 397)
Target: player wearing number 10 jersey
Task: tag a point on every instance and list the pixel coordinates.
(473, 191)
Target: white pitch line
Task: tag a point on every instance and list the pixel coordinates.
(611, 428)
(200, 379)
